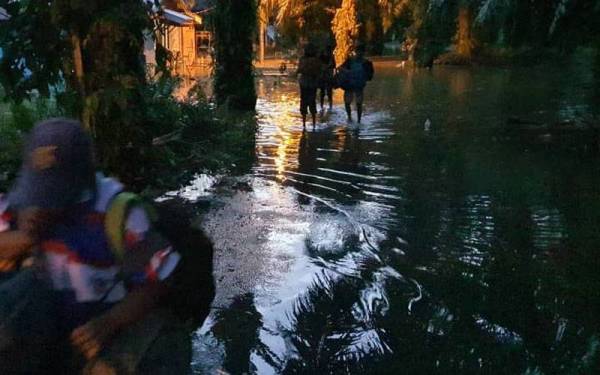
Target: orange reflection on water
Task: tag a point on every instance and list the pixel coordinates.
(283, 136)
(286, 147)
(281, 130)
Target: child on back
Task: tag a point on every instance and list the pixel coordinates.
(356, 70)
(55, 213)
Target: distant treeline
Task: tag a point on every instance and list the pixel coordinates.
(429, 28)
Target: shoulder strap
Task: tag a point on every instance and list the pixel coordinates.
(115, 220)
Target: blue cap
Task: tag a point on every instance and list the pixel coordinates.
(57, 166)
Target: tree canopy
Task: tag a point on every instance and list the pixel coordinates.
(428, 28)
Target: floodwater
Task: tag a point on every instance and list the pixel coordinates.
(454, 231)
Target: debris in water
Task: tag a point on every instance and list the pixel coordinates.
(427, 126)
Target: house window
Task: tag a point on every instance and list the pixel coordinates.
(203, 42)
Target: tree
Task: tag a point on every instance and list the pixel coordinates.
(308, 20)
(370, 16)
(391, 10)
(345, 27)
(266, 9)
(89, 54)
(289, 8)
(235, 28)
(464, 36)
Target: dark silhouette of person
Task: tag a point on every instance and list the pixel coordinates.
(309, 69)
(354, 74)
(326, 79)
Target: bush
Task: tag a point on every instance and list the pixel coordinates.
(16, 119)
(191, 135)
(188, 136)
(10, 155)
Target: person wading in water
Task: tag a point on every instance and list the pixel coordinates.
(309, 69)
(353, 75)
(326, 79)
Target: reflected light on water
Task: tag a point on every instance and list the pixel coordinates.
(281, 117)
(382, 244)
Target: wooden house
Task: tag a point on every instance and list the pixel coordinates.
(185, 33)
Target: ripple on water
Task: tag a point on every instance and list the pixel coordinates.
(378, 234)
(331, 235)
(200, 186)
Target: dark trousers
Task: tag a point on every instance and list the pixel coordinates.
(308, 100)
(34, 340)
(354, 94)
(326, 90)
(31, 340)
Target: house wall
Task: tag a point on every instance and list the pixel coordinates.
(181, 41)
(149, 48)
(189, 45)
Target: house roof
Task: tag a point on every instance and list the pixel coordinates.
(3, 14)
(177, 17)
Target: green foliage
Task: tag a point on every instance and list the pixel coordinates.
(430, 25)
(190, 135)
(142, 132)
(86, 55)
(372, 32)
(15, 120)
(185, 136)
(235, 28)
(32, 48)
(10, 152)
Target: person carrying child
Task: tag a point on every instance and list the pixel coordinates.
(353, 75)
(81, 296)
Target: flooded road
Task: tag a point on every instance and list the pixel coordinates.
(454, 231)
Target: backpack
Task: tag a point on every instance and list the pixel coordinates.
(358, 76)
(191, 284)
(347, 78)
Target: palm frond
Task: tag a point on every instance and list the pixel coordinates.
(559, 13)
(289, 8)
(490, 8)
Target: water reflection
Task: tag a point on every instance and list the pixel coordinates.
(390, 248)
(237, 328)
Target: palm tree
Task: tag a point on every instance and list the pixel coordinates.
(345, 27)
(182, 5)
(235, 27)
(390, 10)
(289, 8)
(269, 8)
(266, 9)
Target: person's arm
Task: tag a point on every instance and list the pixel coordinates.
(148, 274)
(301, 67)
(91, 337)
(14, 245)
